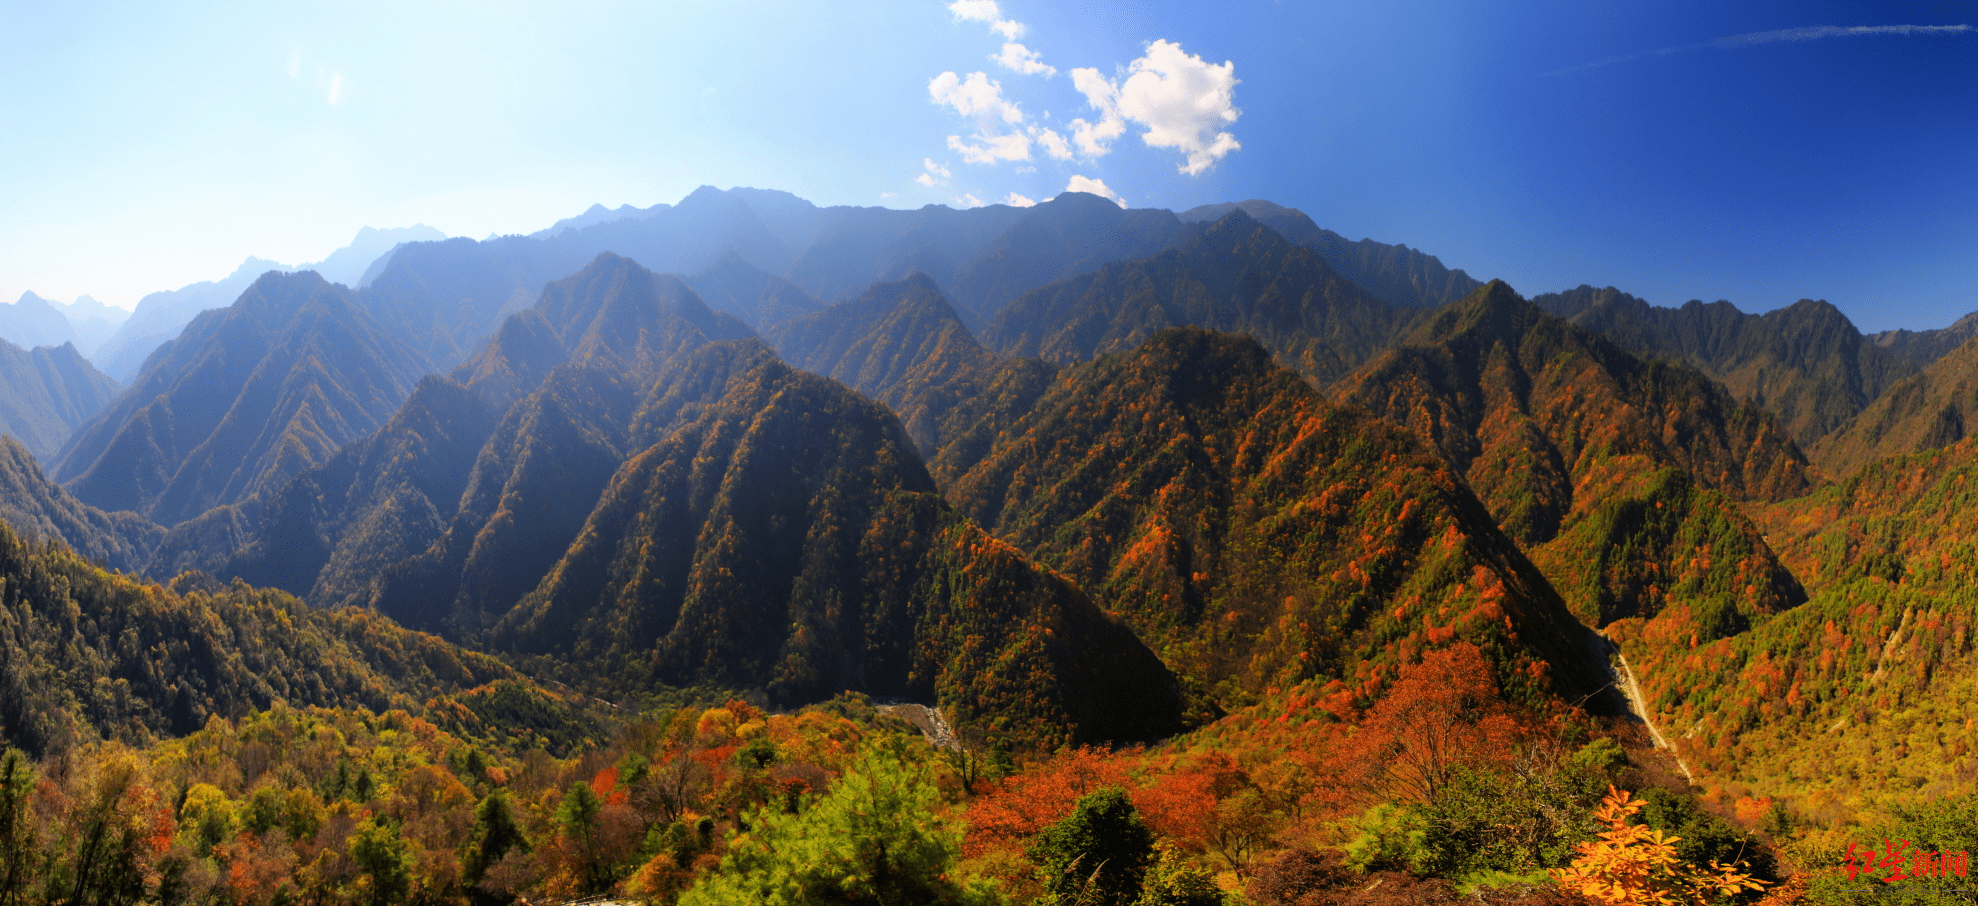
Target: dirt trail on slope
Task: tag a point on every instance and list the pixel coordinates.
(1639, 705)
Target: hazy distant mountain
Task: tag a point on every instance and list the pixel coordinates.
(1236, 275)
(94, 322)
(47, 392)
(33, 321)
(1922, 347)
(1805, 362)
(759, 252)
(612, 312)
(160, 316)
(244, 400)
(1072, 234)
(597, 214)
(1395, 274)
(348, 265)
(857, 247)
(748, 292)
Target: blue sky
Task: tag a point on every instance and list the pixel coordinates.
(1647, 146)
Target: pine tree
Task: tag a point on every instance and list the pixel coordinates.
(873, 839)
(1099, 853)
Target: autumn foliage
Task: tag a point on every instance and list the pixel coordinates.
(1635, 865)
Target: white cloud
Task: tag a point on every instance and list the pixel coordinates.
(1018, 58)
(885, 195)
(969, 201)
(336, 89)
(981, 98)
(1182, 101)
(976, 10)
(1094, 186)
(933, 175)
(977, 97)
(1095, 139)
(1018, 201)
(988, 148)
(1054, 144)
(987, 11)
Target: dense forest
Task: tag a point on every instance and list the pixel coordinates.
(743, 551)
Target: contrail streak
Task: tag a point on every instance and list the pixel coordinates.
(1806, 33)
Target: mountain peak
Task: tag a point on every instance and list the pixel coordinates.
(708, 196)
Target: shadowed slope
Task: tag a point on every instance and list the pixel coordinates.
(336, 528)
(787, 538)
(37, 507)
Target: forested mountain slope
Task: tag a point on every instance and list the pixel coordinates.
(46, 393)
(787, 538)
(1612, 471)
(1857, 699)
(901, 344)
(1237, 275)
(1257, 535)
(243, 401)
(1922, 412)
(1922, 347)
(37, 508)
(454, 455)
(1806, 362)
(85, 653)
(1396, 274)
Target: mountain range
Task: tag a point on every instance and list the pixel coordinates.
(1071, 473)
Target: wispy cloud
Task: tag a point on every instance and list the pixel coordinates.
(933, 175)
(988, 148)
(1777, 36)
(1018, 58)
(1054, 144)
